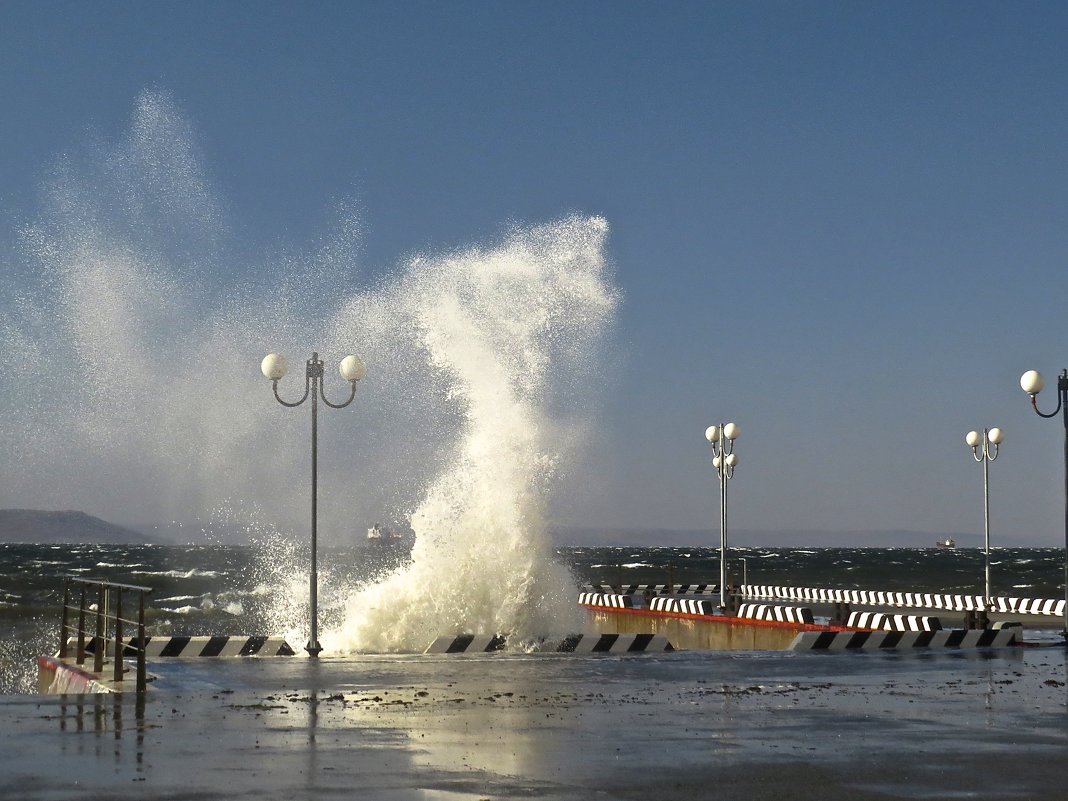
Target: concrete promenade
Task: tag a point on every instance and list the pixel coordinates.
(742, 725)
(685, 725)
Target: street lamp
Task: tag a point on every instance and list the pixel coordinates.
(985, 449)
(1032, 383)
(352, 370)
(724, 461)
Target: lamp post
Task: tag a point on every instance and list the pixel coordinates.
(1032, 383)
(724, 460)
(985, 449)
(352, 370)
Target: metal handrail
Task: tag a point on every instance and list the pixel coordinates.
(102, 624)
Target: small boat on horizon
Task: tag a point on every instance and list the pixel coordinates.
(380, 535)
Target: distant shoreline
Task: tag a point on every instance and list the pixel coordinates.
(43, 527)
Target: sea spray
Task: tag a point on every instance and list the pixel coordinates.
(131, 329)
(492, 323)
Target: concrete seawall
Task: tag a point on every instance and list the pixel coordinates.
(690, 625)
(703, 632)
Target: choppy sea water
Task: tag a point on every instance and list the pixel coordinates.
(214, 589)
(1016, 572)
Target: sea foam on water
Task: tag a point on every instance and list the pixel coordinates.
(131, 338)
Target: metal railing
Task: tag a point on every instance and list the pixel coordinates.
(107, 626)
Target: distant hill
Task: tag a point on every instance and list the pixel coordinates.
(36, 526)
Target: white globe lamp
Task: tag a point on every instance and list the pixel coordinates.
(352, 369)
(1032, 382)
(274, 366)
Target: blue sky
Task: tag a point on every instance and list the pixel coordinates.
(840, 225)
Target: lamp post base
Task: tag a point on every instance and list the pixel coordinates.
(313, 648)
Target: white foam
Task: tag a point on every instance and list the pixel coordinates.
(185, 574)
(493, 324)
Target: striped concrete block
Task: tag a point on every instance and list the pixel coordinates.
(883, 640)
(466, 644)
(696, 589)
(605, 599)
(203, 646)
(952, 603)
(625, 589)
(608, 589)
(1008, 624)
(886, 622)
(573, 643)
(654, 589)
(1029, 606)
(688, 606)
(694, 606)
(612, 643)
(779, 614)
(661, 604)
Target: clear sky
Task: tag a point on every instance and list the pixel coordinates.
(840, 225)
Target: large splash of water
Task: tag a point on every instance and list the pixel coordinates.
(491, 324)
(131, 336)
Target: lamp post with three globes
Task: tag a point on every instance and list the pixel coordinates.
(274, 367)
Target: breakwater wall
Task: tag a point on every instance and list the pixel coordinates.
(702, 631)
(999, 604)
(698, 624)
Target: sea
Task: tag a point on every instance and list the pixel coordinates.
(247, 590)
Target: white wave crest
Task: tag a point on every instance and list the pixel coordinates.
(494, 325)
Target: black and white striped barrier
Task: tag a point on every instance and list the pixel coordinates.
(573, 643)
(881, 620)
(952, 603)
(692, 589)
(686, 606)
(1008, 624)
(466, 644)
(779, 614)
(655, 589)
(884, 640)
(606, 599)
(202, 646)
(1029, 606)
(613, 644)
(961, 603)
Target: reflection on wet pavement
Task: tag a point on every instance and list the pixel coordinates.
(695, 725)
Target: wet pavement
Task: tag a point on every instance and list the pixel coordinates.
(752, 725)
